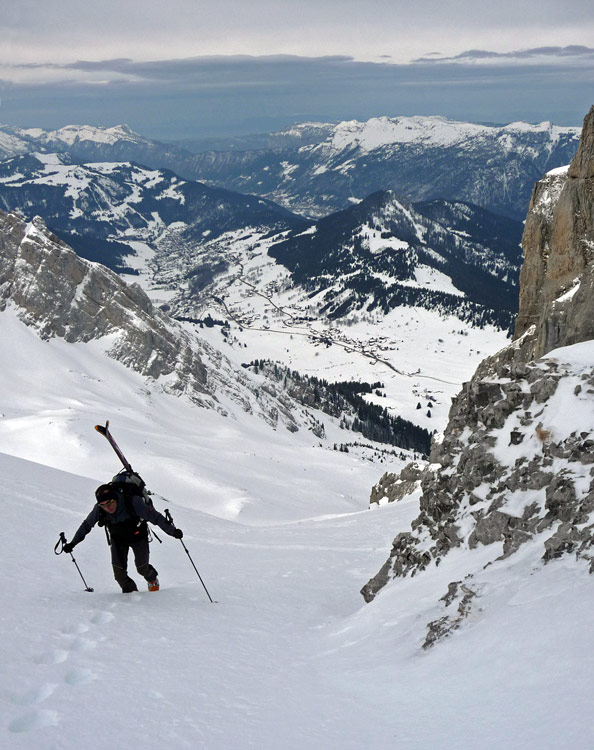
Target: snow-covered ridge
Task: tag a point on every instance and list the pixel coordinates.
(15, 141)
(419, 157)
(384, 131)
(558, 170)
(73, 133)
(428, 131)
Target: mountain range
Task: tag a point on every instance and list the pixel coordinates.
(371, 255)
(420, 158)
(350, 280)
(317, 168)
(99, 207)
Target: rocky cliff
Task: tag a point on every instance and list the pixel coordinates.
(515, 467)
(557, 278)
(62, 295)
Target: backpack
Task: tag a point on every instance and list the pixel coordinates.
(127, 483)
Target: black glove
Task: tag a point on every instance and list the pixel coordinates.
(68, 547)
(178, 533)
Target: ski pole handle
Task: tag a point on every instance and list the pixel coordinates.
(60, 543)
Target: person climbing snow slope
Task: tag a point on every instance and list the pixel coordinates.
(125, 516)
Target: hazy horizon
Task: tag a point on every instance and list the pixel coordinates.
(184, 71)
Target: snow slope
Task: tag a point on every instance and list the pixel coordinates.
(196, 455)
(288, 657)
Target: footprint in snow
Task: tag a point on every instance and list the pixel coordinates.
(134, 596)
(36, 719)
(83, 644)
(74, 629)
(77, 677)
(35, 695)
(102, 618)
(55, 656)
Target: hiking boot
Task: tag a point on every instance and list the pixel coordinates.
(153, 585)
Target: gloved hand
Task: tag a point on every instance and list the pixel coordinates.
(68, 548)
(178, 533)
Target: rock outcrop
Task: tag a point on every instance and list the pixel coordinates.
(394, 487)
(62, 295)
(508, 468)
(516, 462)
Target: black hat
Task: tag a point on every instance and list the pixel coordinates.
(106, 492)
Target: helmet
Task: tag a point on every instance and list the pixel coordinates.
(106, 492)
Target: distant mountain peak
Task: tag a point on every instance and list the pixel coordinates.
(434, 130)
(385, 252)
(99, 134)
(379, 132)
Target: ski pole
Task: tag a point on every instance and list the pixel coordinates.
(170, 519)
(60, 543)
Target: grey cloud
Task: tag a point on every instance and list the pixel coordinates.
(575, 52)
(236, 95)
(212, 64)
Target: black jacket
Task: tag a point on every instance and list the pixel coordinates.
(122, 521)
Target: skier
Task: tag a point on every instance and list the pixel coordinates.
(125, 519)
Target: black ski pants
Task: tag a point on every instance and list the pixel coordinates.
(119, 562)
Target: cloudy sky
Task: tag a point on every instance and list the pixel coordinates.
(193, 68)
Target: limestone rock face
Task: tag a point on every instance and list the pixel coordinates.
(505, 471)
(63, 295)
(392, 487)
(557, 278)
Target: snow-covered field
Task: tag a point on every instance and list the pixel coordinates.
(420, 356)
(289, 656)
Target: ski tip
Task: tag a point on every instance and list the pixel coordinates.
(102, 429)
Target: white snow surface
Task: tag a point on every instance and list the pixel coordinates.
(559, 170)
(384, 131)
(288, 657)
